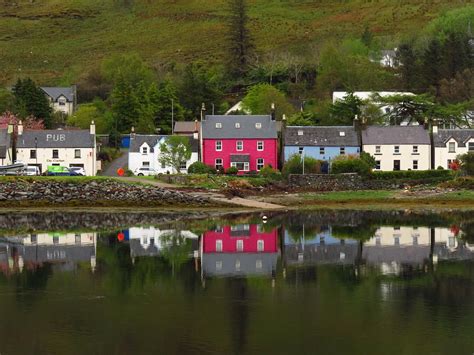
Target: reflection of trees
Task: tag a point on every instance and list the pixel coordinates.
(360, 232)
(176, 249)
(296, 231)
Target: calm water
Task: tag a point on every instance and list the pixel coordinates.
(396, 282)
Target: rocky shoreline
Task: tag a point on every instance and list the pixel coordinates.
(93, 193)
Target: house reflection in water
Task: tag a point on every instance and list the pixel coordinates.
(64, 250)
(319, 248)
(150, 241)
(239, 250)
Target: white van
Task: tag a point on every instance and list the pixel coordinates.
(32, 170)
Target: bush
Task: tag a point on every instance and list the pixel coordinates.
(369, 159)
(201, 168)
(467, 163)
(232, 171)
(412, 175)
(350, 164)
(268, 172)
(294, 165)
(462, 183)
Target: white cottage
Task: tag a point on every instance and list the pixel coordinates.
(145, 151)
(69, 148)
(449, 143)
(398, 147)
(61, 99)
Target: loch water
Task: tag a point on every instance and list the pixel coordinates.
(308, 282)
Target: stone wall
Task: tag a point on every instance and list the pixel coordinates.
(107, 192)
(340, 182)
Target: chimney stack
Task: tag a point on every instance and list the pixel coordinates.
(435, 128)
(20, 128)
(273, 111)
(92, 127)
(196, 130)
(203, 111)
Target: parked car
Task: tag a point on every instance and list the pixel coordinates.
(78, 169)
(32, 170)
(144, 171)
(60, 171)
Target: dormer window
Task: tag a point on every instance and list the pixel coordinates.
(144, 150)
(237, 125)
(62, 101)
(452, 147)
(258, 125)
(300, 132)
(218, 125)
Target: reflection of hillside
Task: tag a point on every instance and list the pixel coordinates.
(64, 250)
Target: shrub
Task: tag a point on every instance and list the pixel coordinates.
(200, 168)
(232, 171)
(467, 163)
(268, 172)
(464, 183)
(412, 174)
(294, 165)
(369, 159)
(350, 164)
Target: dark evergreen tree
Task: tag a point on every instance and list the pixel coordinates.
(30, 100)
(408, 68)
(431, 65)
(456, 54)
(167, 104)
(239, 41)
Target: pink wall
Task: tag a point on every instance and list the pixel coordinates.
(229, 242)
(229, 146)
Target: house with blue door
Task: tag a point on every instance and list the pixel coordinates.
(321, 142)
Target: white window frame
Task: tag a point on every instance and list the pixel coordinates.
(260, 245)
(218, 146)
(239, 245)
(246, 166)
(239, 146)
(260, 146)
(453, 145)
(221, 164)
(144, 150)
(260, 165)
(219, 246)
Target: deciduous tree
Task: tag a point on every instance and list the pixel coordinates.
(175, 151)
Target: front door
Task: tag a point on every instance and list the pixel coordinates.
(396, 165)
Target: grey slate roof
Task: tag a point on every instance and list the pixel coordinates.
(323, 136)
(4, 143)
(395, 135)
(247, 127)
(55, 92)
(137, 140)
(246, 262)
(56, 139)
(461, 136)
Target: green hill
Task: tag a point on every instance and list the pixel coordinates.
(54, 41)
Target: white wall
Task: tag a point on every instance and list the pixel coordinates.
(67, 109)
(442, 153)
(136, 159)
(406, 156)
(66, 158)
(63, 239)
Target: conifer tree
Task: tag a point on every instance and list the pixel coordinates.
(30, 100)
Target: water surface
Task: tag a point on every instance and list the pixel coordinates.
(327, 282)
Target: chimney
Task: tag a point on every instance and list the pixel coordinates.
(435, 128)
(132, 133)
(196, 130)
(273, 111)
(356, 122)
(203, 112)
(20, 128)
(92, 127)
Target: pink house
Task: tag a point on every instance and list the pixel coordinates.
(247, 142)
(240, 238)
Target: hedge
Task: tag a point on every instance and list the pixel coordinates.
(412, 175)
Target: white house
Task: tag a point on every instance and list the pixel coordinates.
(449, 143)
(387, 58)
(69, 148)
(398, 147)
(145, 152)
(5, 146)
(61, 99)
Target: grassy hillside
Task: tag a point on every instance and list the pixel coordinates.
(54, 41)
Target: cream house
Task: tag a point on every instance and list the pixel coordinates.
(398, 147)
(61, 99)
(449, 143)
(69, 148)
(145, 152)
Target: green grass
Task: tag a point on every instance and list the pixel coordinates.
(349, 196)
(55, 41)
